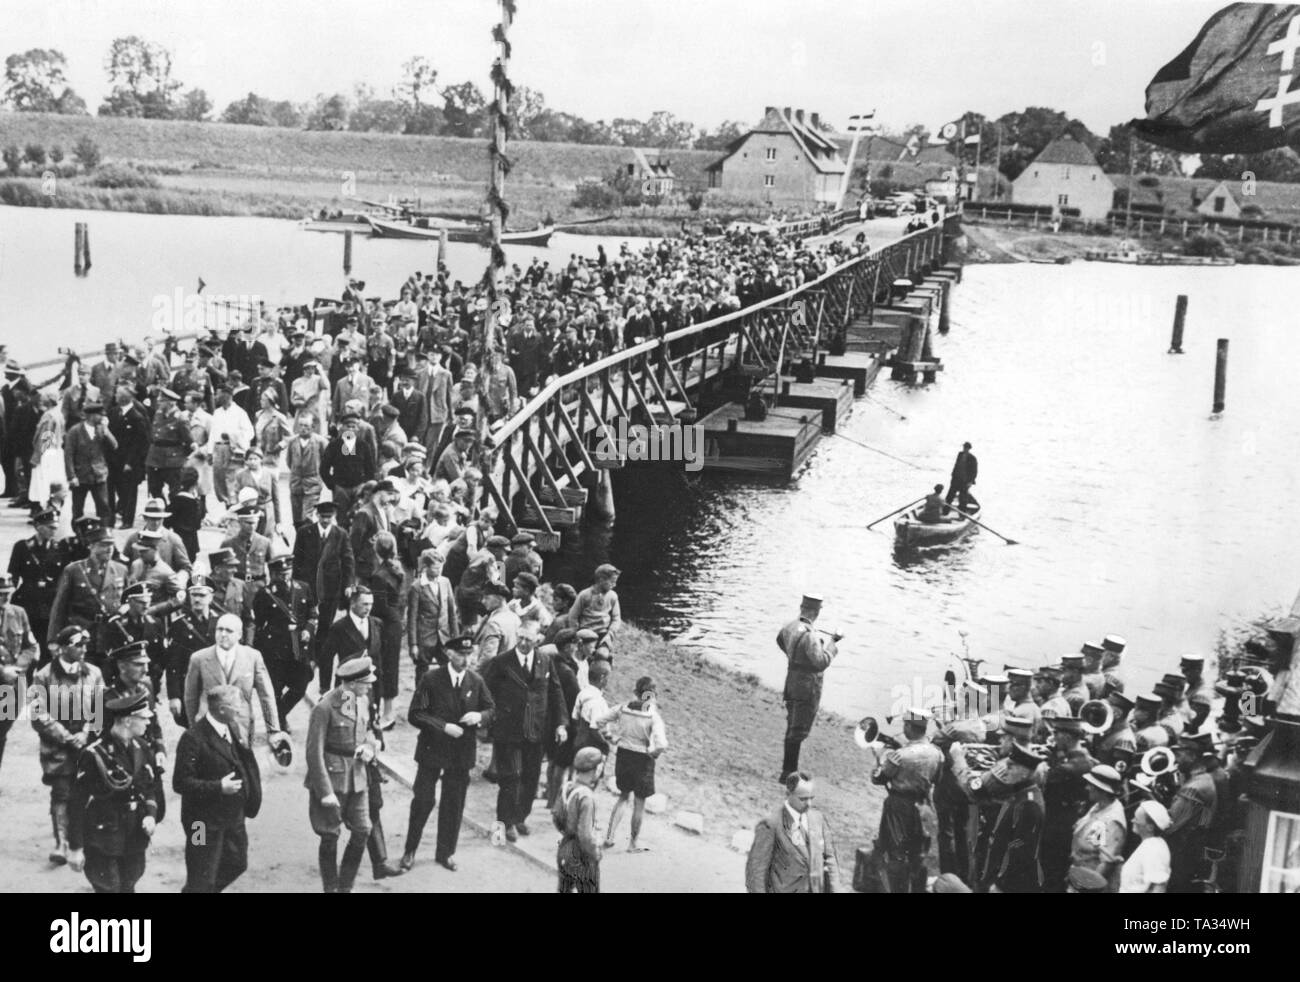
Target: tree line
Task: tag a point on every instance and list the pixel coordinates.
(142, 85)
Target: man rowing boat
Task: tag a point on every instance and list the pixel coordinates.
(934, 507)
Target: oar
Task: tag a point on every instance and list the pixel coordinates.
(896, 511)
(1010, 542)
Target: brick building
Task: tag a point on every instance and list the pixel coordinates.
(785, 159)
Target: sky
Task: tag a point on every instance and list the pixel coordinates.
(703, 60)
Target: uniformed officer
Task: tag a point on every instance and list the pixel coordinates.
(1118, 746)
(1065, 799)
(115, 800)
(188, 630)
(1171, 714)
(1111, 659)
(250, 550)
(951, 804)
(808, 654)
(137, 624)
(170, 443)
(1013, 785)
(909, 773)
(63, 702)
(89, 593)
(18, 652)
(284, 626)
(339, 746)
(1097, 843)
(1198, 691)
(1047, 692)
(1073, 689)
(228, 593)
(1018, 701)
(1147, 732)
(35, 566)
(1192, 813)
(134, 664)
(1093, 677)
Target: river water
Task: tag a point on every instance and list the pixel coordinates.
(1137, 514)
(137, 259)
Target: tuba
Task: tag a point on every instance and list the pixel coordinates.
(868, 735)
(1096, 716)
(1158, 761)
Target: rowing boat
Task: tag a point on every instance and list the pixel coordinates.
(422, 228)
(911, 532)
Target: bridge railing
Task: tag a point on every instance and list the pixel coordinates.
(540, 451)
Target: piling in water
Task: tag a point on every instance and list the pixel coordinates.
(347, 253)
(442, 246)
(943, 312)
(79, 248)
(1180, 315)
(1220, 374)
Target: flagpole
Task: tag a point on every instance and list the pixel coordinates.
(848, 171)
(979, 144)
(997, 166)
(1128, 198)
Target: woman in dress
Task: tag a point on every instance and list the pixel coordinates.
(254, 475)
(188, 508)
(388, 585)
(272, 430)
(47, 454)
(1147, 869)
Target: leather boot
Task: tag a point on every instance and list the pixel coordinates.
(351, 862)
(329, 862)
(59, 820)
(790, 763)
(378, 850)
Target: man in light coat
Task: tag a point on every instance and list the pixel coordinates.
(792, 850)
(230, 663)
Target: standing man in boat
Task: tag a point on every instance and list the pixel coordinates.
(808, 653)
(964, 471)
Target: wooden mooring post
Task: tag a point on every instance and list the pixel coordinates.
(1220, 375)
(347, 253)
(81, 249)
(1180, 315)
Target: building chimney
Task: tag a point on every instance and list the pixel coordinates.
(815, 119)
(768, 110)
(798, 116)
(787, 113)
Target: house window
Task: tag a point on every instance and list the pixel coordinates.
(769, 180)
(1062, 200)
(1094, 177)
(1281, 873)
(770, 153)
(1218, 204)
(1035, 173)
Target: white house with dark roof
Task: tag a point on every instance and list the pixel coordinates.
(651, 172)
(785, 158)
(1066, 175)
(1220, 203)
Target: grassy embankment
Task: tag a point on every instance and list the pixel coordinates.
(222, 169)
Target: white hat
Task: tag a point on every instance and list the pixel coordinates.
(1156, 812)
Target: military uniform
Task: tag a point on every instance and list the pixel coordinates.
(35, 567)
(116, 787)
(1191, 816)
(1075, 696)
(129, 628)
(1116, 745)
(1097, 842)
(18, 651)
(170, 443)
(952, 805)
(1013, 785)
(62, 705)
(910, 773)
(808, 655)
(186, 634)
(1065, 798)
(339, 728)
(284, 625)
(88, 596)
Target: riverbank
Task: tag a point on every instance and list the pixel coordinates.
(997, 243)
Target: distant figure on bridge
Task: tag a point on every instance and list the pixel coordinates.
(933, 509)
(964, 471)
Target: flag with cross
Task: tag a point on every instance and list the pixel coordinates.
(1234, 89)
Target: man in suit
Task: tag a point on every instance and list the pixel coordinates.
(369, 520)
(530, 707)
(129, 425)
(220, 785)
(356, 632)
(230, 663)
(340, 746)
(322, 558)
(793, 851)
(450, 703)
(303, 454)
(86, 451)
(965, 469)
(412, 406)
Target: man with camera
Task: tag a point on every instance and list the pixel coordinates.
(808, 653)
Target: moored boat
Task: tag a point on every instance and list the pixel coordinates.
(423, 228)
(352, 221)
(911, 532)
